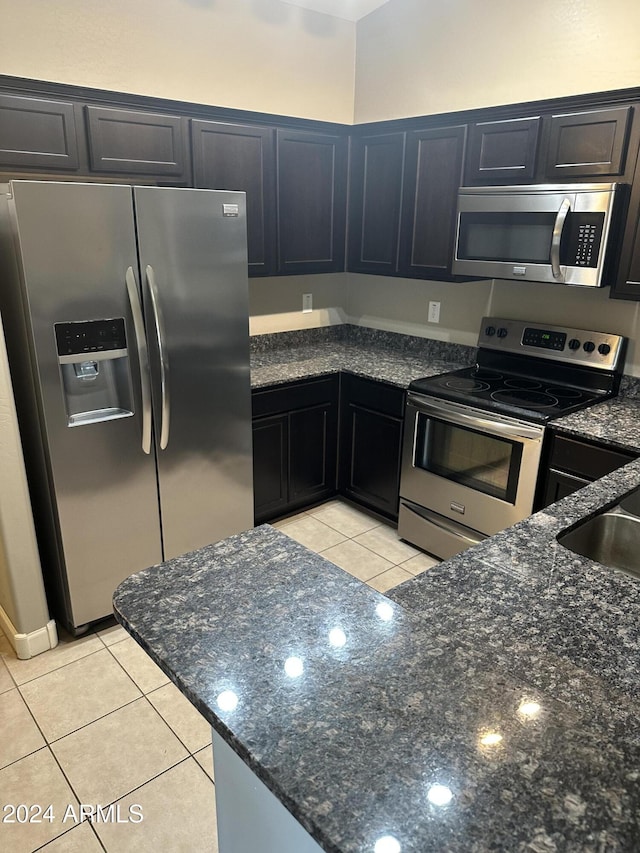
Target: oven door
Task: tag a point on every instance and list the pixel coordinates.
(476, 468)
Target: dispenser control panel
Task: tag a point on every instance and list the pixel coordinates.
(87, 337)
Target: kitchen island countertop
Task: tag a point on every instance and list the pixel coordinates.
(491, 703)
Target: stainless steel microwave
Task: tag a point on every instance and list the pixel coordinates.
(545, 232)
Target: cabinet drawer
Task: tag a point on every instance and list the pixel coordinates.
(586, 460)
(298, 395)
(377, 396)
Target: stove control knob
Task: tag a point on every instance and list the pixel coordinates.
(490, 331)
(502, 332)
(604, 349)
(574, 343)
(588, 346)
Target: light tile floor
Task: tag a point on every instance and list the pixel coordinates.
(96, 722)
(359, 543)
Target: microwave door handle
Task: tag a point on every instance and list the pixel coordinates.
(558, 227)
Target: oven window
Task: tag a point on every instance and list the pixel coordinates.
(482, 462)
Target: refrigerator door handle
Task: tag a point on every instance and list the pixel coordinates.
(164, 361)
(143, 357)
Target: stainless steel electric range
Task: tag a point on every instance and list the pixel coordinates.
(473, 437)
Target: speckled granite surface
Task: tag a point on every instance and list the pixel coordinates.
(390, 357)
(615, 422)
(509, 676)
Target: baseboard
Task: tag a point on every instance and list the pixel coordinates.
(34, 643)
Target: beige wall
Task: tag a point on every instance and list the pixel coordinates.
(262, 55)
(22, 595)
(417, 57)
(401, 305)
(275, 304)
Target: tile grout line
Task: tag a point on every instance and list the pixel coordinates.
(57, 668)
(168, 724)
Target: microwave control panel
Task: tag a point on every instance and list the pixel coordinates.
(581, 241)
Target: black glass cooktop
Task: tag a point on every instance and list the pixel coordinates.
(532, 398)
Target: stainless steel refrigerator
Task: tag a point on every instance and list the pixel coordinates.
(126, 312)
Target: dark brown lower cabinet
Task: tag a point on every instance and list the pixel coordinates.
(295, 436)
(303, 454)
(572, 463)
(371, 419)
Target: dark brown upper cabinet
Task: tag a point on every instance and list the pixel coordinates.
(311, 201)
(130, 142)
(585, 145)
(37, 133)
(241, 157)
(432, 175)
(627, 284)
(377, 164)
(502, 152)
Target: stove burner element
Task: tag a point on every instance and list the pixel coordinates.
(564, 393)
(461, 383)
(484, 374)
(521, 382)
(525, 398)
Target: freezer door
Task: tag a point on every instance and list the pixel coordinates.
(193, 260)
(76, 243)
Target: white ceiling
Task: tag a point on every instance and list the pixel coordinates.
(350, 10)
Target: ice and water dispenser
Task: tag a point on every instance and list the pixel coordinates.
(94, 365)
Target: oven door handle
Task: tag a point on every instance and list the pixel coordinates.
(446, 411)
(556, 237)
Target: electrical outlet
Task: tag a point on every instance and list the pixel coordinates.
(307, 303)
(434, 312)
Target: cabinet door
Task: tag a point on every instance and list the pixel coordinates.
(37, 133)
(502, 152)
(433, 168)
(627, 284)
(312, 454)
(270, 466)
(128, 142)
(311, 201)
(558, 485)
(586, 145)
(370, 443)
(374, 208)
(240, 157)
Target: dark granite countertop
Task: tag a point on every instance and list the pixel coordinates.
(491, 703)
(373, 354)
(615, 422)
(494, 704)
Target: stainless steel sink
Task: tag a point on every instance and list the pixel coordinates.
(611, 538)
